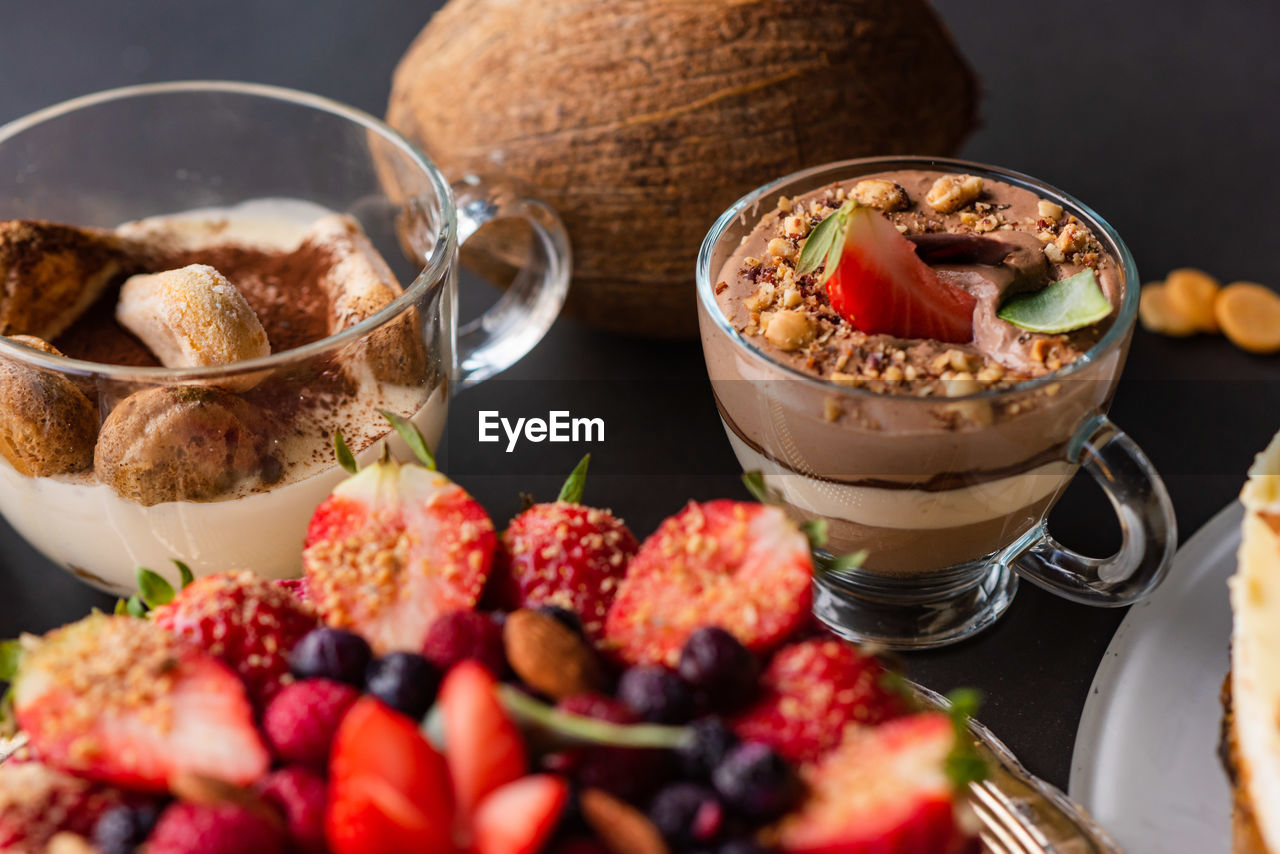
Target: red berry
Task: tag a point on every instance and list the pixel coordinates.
(743, 567)
(250, 623)
(881, 286)
(296, 586)
(301, 721)
(465, 636)
(483, 746)
(394, 547)
(566, 555)
(810, 692)
(300, 794)
(388, 787)
(186, 828)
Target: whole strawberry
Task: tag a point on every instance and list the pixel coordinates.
(567, 555)
(248, 622)
(810, 692)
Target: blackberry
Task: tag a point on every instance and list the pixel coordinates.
(123, 829)
(711, 742)
(723, 672)
(331, 654)
(404, 681)
(656, 695)
(754, 780)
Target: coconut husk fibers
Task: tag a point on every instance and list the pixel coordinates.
(640, 121)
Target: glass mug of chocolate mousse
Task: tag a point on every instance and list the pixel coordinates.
(921, 353)
(200, 285)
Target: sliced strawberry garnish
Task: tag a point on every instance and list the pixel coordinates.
(743, 567)
(567, 555)
(388, 787)
(248, 622)
(122, 700)
(37, 802)
(394, 547)
(881, 286)
(483, 745)
(884, 790)
(810, 692)
(521, 816)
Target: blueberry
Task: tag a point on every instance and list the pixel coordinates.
(568, 618)
(687, 814)
(331, 654)
(405, 681)
(719, 668)
(710, 743)
(756, 781)
(656, 694)
(123, 829)
(743, 846)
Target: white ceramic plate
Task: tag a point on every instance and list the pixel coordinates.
(1146, 763)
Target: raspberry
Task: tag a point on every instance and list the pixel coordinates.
(226, 828)
(301, 795)
(462, 635)
(302, 719)
(247, 621)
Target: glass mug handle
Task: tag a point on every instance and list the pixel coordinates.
(501, 336)
(1147, 525)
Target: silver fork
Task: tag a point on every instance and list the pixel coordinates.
(1003, 831)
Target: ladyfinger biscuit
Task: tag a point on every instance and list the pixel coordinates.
(47, 424)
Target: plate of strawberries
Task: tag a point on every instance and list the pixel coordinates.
(433, 684)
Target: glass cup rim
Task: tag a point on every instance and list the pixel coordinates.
(430, 272)
(1126, 315)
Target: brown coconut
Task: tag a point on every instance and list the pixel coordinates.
(641, 120)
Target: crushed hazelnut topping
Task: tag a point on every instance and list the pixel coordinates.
(952, 192)
(883, 195)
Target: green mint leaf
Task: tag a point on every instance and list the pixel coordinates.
(346, 459)
(10, 658)
(847, 562)
(580, 729)
(824, 244)
(576, 482)
(184, 573)
(412, 437)
(153, 589)
(135, 608)
(816, 531)
(1068, 304)
(964, 765)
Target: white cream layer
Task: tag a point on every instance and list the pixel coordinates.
(907, 508)
(1255, 646)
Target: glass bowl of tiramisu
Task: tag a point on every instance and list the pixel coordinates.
(201, 286)
(918, 355)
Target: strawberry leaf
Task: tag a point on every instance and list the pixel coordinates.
(582, 729)
(816, 531)
(184, 573)
(576, 483)
(754, 482)
(412, 437)
(10, 658)
(841, 563)
(964, 765)
(122, 608)
(153, 589)
(135, 608)
(825, 243)
(346, 459)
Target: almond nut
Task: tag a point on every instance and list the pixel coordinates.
(550, 657)
(621, 827)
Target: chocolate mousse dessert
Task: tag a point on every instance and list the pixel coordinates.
(881, 311)
(159, 466)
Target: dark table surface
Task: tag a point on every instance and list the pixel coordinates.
(1162, 115)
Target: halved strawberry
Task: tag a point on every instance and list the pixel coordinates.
(521, 816)
(37, 801)
(388, 787)
(567, 555)
(810, 692)
(881, 286)
(122, 700)
(884, 790)
(741, 566)
(482, 744)
(394, 547)
(250, 623)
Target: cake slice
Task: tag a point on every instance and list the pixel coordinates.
(1252, 695)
